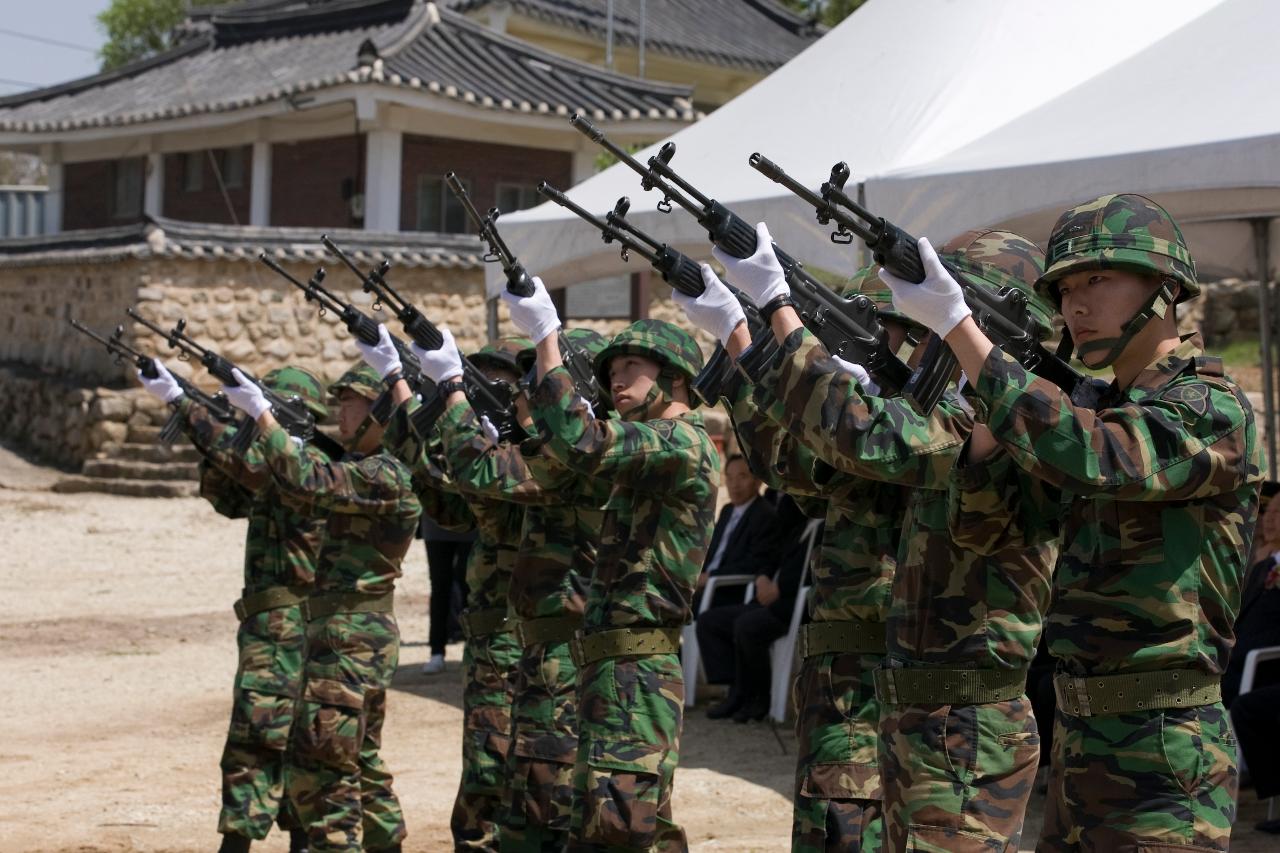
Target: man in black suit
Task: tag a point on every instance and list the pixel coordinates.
(744, 541)
(734, 640)
(1258, 621)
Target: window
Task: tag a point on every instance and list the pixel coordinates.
(605, 297)
(438, 209)
(513, 197)
(128, 187)
(232, 167)
(193, 171)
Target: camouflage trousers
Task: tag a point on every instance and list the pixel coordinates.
(630, 712)
(339, 784)
(837, 795)
(489, 666)
(544, 744)
(957, 777)
(1160, 780)
(268, 682)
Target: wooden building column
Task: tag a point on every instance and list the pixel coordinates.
(383, 158)
(52, 157)
(260, 184)
(153, 185)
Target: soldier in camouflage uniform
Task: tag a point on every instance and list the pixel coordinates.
(962, 625)
(837, 797)
(340, 785)
(491, 652)
(282, 543)
(663, 472)
(554, 562)
(1158, 491)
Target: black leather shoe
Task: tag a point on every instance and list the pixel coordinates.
(232, 843)
(752, 711)
(726, 707)
(297, 841)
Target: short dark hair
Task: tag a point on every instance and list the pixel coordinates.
(737, 457)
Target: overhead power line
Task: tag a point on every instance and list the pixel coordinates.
(45, 40)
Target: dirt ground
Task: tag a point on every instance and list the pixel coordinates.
(118, 651)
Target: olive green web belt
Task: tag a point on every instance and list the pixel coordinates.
(851, 636)
(319, 606)
(624, 642)
(478, 624)
(935, 686)
(547, 629)
(1094, 695)
(269, 599)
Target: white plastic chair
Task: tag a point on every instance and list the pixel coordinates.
(690, 659)
(1251, 661)
(782, 654)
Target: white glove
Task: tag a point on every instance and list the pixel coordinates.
(490, 431)
(534, 315)
(246, 396)
(716, 311)
(937, 302)
(859, 373)
(381, 356)
(444, 362)
(164, 385)
(759, 276)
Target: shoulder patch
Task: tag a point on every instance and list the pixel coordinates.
(1194, 396)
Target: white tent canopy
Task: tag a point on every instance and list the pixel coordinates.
(1192, 120)
(897, 83)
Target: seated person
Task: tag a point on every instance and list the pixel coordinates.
(734, 639)
(1255, 717)
(744, 541)
(1258, 622)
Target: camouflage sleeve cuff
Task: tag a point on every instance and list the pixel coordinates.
(454, 416)
(1000, 388)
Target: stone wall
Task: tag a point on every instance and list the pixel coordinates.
(1226, 311)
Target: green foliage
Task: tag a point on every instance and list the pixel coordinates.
(605, 159)
(829, 12)
(136, 29)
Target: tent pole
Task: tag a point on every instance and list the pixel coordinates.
(1262, 246)
(864, 256)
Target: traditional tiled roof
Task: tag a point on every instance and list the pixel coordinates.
(157, 237)
(236, 61)
(756, 34)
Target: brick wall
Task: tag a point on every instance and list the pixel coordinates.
(482, 165)
(89, 195)
(307, 178)
(207, 203)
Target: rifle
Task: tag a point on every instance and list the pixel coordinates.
(576, 360)
(489, 397)
(1002, 314)
(216, 404)
(291, 412)
(847, 327)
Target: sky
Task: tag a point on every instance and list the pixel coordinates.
(25, 61)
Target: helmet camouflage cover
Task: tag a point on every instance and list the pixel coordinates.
(502, 354)
(296, 382)
(1119, 231)
(1002, 259)
(360, 378)
(670, 346)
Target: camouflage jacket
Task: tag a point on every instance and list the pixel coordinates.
(371, 512)
(497, 522)
(560, 533)
(283, 539)
(664, 476)
(1159, 495)
(946, 608)
(851, 575)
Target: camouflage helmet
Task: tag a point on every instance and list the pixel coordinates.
(1119, 231)
(1002, 259)
(670, 346)
(360, 378)
(502, 354)
(296, 382)
(866, 282)
(587, 340)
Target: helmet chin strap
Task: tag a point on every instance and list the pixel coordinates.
(661, 394)
(1111, 348)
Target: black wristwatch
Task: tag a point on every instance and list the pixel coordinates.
(444, 389)
(770, 308)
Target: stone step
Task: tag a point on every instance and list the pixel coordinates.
(131, 470)
(143, 435)
(128, 487)
(180, 451)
